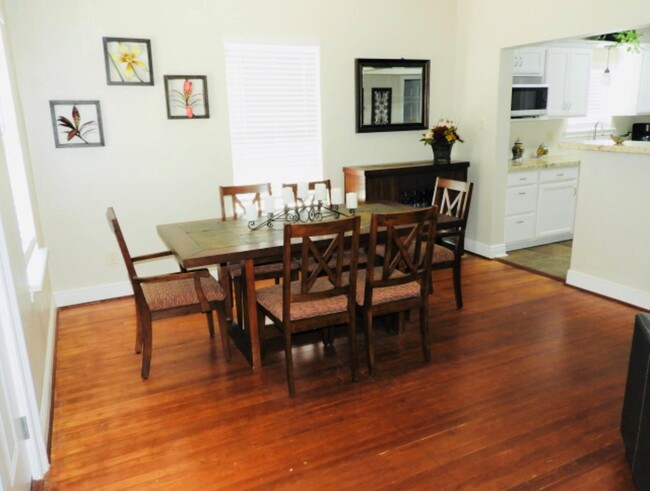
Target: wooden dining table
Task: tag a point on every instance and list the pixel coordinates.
(211, 242)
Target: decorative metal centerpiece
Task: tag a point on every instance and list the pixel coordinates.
(303, 209)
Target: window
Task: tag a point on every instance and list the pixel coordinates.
(275, 117)
(598, 109)
(35, 258)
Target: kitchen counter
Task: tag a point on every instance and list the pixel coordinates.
(545, 162)
(607, 145)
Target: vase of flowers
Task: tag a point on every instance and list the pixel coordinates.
(442, 138)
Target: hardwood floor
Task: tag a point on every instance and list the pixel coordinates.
(524, 392)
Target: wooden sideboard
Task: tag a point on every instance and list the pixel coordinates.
(407, 182)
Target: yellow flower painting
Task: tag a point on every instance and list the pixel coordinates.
(128, 61)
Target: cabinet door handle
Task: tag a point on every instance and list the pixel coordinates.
(520, 221)
(523, 178)
(521, 192)
(560, 174)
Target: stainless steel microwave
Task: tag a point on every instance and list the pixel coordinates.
(528, 100)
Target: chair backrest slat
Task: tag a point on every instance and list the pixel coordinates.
(115, 227)
(452, 197)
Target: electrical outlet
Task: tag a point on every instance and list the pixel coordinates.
(111, 256)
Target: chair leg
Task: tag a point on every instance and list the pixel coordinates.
(352, 341)
(223, 329)
(226, 284)
(457, 285)
(424, 331)
(208, 314)
(370, 350)
(146, 344)
(288, 362)
(238, 283)
(138, 329)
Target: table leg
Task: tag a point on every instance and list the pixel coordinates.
(251, 313)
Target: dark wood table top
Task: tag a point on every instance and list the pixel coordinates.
(207, 242)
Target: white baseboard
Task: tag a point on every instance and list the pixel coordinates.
(609, 289)
(92, 294)
(48, 372)
(485, 250)
(523, 244)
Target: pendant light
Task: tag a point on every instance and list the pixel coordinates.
(607, 76)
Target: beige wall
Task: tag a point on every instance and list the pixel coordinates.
(154, 170)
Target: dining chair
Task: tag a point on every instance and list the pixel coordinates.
(402, 281)
(311, 185)
(239, 196)
(323, 296)
(452, 198)
(169, 295)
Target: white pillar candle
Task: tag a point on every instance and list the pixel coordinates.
(269, 204)
(351, 200)
(337, 196)
(251, 212)
(320, 192)
(287, 196)
(303, 191)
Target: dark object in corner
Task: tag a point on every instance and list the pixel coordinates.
(635, 419)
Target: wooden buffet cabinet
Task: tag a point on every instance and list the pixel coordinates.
(407, 182)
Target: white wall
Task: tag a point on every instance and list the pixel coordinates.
(153, 170)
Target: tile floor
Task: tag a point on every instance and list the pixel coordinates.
(551, 259)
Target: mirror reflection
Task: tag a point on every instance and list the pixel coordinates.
(392, 95)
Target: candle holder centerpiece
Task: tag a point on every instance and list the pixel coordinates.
(301, 209)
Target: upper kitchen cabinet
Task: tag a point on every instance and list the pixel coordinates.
(529, 62)
(567, 76)
(631, 83)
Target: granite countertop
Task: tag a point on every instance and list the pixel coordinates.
(545, 162)
(607, 146)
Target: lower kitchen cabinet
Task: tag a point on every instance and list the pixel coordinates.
(540, 206)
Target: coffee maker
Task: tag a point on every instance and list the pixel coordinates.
(641, 132)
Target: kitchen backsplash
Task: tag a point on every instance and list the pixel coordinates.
(533, 132)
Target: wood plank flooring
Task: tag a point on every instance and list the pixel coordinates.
(524, 392)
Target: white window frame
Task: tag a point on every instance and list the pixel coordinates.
(12, 144)
(274, 111)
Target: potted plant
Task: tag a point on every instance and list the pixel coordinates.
(441, 138)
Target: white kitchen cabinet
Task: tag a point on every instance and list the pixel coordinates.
(529, 62)
(567, 76)
(556, 205)
(643, 98)
(540, 206)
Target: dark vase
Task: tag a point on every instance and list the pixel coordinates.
(441, 151)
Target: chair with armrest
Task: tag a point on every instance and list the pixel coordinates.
(324, 295)
(402, 281)
(169, 295)
(266, 269)
(453, 198)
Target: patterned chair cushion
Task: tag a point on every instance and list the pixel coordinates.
(387, 293)
(180, 293)
(442, 254)
(271, 298)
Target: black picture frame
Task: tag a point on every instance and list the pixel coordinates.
(77, 124)
(413, 113)
(183, 103)
(382, 99)
(128, 61)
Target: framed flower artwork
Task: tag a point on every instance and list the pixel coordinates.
(187, 96)
(77, 124)
(128, 61)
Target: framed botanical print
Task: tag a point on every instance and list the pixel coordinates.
(381, 104)
(187, 96)
(128, 61)
(77, 124)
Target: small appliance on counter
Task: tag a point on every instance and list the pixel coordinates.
(641, 132)
(518, 150)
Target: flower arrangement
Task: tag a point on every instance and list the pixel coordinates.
(445, 130)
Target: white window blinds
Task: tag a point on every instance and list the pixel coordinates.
(275, 118)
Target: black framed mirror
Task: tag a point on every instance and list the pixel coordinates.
(391, 95)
